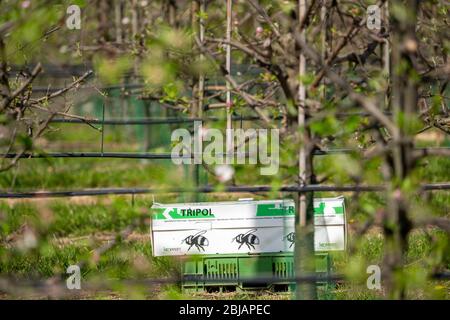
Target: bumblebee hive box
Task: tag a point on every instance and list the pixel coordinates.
(244, 226)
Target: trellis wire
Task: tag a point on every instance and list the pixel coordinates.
(168, 120)
(14, 285)
(211, 189)
(133, 155)
(165, 156)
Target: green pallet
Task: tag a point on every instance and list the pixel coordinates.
(227, 270)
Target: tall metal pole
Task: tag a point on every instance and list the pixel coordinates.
(304, 245)
(118, 20)
(134, 33)
(201, 79)
(386, 51)
(324, 37)
(199, 29)
(301, 119)
(229, 142)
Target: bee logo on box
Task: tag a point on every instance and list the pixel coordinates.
(247, 238)
(290, 237)
(197, 240)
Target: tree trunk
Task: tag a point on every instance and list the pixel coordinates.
(397, 224)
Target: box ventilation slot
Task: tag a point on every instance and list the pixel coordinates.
(283, 269)
(218, 270)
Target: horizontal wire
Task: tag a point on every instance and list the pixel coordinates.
(154, 121)
(318, 277)
(150, 120)
(167, 156)
(135, 155)
(210, 189)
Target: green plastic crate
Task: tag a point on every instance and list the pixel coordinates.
(228, 270)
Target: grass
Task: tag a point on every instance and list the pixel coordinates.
(83, 173)
(133, 259)
(75, 219)
(69, 230)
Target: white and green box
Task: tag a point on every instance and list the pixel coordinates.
(244, 226)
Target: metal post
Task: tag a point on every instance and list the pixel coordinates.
(304, 245)
(103, 126)
(229, 142)
(386, 52)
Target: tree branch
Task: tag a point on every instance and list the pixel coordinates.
(366, 102)
(63, 90)
(24, 85)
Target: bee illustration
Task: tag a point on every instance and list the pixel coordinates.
(291, 238)
(247, 238)
(197, 240)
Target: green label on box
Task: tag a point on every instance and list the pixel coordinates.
(269, 210)
(159, 213)
(320, 210)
